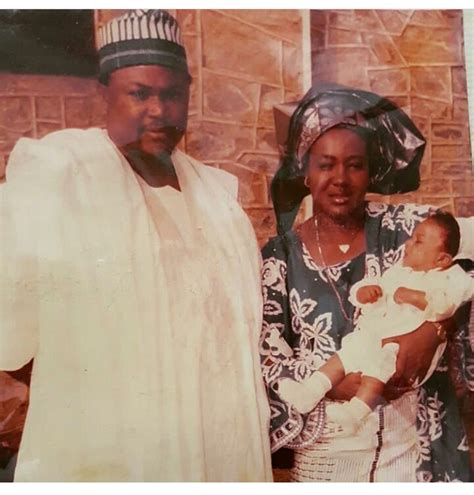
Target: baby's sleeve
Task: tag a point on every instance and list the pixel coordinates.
(446, 294)
(358, 285)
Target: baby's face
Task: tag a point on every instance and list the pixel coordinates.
(424, 248)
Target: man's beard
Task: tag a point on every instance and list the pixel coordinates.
(162, 160)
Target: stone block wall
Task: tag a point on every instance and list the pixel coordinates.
(416, 59)
(34, 105)
(243, 62)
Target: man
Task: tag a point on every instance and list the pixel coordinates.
(131, 275)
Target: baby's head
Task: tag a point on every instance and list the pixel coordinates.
(434, 243)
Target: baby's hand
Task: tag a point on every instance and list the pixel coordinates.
(403, 295)
(417, 298)
(369, 294)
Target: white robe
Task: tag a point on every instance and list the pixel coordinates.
(145, 341)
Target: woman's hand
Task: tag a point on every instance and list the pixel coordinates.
(416, 352)
(347, 388)
(394, 391)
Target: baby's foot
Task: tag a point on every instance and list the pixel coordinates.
(349, 415)
(383, 364)
(304, 396)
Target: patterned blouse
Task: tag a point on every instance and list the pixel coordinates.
(304, 324)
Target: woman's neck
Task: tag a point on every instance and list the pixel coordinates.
(340, 225)
(333, 240)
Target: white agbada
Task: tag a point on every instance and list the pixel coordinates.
(144, 334)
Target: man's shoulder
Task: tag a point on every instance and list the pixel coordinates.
(227, 180)
(51, 155)
(72, 137)
(62, 139)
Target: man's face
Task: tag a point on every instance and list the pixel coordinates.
(147, 108)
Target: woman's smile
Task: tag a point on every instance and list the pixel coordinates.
(339, 199)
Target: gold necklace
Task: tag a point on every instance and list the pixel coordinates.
(326, 269)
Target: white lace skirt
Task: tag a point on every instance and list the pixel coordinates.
(384, 449)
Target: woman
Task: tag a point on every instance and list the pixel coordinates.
(343, 143)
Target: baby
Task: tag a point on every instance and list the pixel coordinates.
(425, 286)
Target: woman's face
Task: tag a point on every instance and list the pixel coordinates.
(338, 173)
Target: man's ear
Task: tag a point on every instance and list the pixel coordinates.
(444, 260)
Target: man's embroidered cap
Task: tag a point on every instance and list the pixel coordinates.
(140, 37)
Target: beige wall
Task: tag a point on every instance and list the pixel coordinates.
(415, 58)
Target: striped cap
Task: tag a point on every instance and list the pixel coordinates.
(140, 37)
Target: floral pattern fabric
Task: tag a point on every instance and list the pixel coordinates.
(304, 325)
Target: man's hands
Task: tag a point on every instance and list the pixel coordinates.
(369, 294)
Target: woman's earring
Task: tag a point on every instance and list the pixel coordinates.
(306, 181)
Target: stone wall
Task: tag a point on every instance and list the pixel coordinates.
(243, 62)
(416, 59)
(32, 106)
(413, 57)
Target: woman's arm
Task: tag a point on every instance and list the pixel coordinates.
(416, 351)
(277, 355)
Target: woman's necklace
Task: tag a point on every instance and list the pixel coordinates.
(326, 269)
(344, 248)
